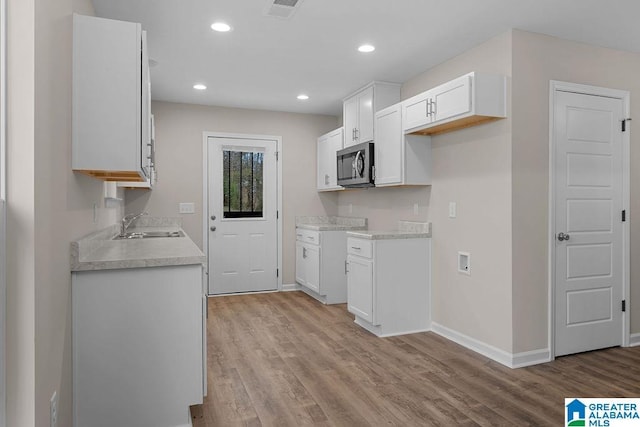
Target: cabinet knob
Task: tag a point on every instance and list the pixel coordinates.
(213, 228)
(213, 217)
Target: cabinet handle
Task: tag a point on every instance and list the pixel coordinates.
(326, 179)
(428, 107)
(304, 252)
(433, 108)
(357, 134)
(346, 266)
(356, 248)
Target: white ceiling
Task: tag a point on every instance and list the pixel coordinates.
(265, 62)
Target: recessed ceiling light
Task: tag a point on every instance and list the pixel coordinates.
(199, 86)
(221, 27)
(303, 97)
(366, 48)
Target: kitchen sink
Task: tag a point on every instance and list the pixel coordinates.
(149, 234)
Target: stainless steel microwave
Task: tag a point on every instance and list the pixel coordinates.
(355, 166)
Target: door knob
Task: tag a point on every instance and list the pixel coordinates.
(213, 228)
(563, 236)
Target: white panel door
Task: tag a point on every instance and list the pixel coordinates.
(588, 224)
(243, 244)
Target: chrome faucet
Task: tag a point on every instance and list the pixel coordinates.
(128, 220)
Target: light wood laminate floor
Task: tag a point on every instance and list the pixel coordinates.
(284, 359)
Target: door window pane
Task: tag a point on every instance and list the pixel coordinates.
(242, 184)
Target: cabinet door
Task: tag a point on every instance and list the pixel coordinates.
(388, 146)
(300, 264)
(416, 111)
(322, 169)
(350, 121)
(360, 288)
(145, 119)
(312, 267)
(365, 116)
(452, 98)
(327, 168)
(334, 144)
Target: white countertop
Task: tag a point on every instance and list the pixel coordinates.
(98, 251)
(406, 230)
(331, 223)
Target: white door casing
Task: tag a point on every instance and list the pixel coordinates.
(589, 191)
(244, 254)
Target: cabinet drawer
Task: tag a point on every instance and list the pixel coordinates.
(308, 236)
(360, 247)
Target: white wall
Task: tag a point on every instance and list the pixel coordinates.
(471, 167)
(48, 207)
(179, 133)
(537, 59)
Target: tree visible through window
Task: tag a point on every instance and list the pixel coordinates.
(242, 184)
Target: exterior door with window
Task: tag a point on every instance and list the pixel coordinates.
(242, 234)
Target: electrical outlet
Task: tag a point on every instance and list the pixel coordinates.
(416, 209)
(453, 209)
(187, 208)
(53, 410)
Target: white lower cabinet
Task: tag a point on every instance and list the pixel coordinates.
(320, 264)
(139, 354)
(389, 282)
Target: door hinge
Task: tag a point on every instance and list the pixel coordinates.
(624, 305)
(277, 156)
(624, 215)
(277, 214)
(623, 127)
(277, 272)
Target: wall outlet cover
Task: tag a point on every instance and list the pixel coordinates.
(53, 410)
(187, 208)
(453, 208)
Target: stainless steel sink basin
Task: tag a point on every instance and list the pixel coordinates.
(149, 234)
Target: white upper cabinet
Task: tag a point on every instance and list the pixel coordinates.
(360, 107)
(400, 159)
(328, 144)
(465, 101)
(111, 100)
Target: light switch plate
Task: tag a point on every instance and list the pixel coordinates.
(453, 209)
(187, 208)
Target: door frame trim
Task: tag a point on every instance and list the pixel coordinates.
(624, 95)
(205, 194)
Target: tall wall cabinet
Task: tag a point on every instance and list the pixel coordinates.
(111, 100)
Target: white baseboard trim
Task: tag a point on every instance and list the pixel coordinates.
(505, 358)
(529, 358)
(290, 287)
(634, 340)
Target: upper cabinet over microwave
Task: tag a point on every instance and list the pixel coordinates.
(111, 100)
(465, 101)
(359, 110)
